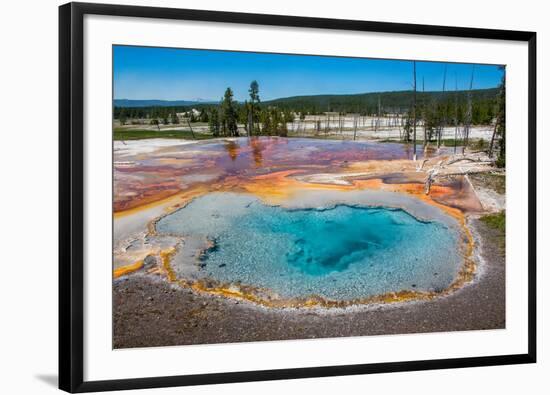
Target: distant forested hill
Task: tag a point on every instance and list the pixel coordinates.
(445, 105)
(368, 102)
(363, 102)
(128, 103)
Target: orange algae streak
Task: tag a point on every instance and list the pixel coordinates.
(127, 269)
(143, 201)
(280, 186)
(413, 189)
(165, 256)
(169, 203)
(258, 296)
(382, 166)
(143, 206)
(273, 186)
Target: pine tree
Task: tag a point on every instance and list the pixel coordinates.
(122, 117)
(229, 114)
(501, 124)
(175, 119)
(214, 122)
(253, 106)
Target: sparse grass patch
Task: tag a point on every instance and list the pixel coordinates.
(477, 144)
(496, 182)
(139, 134)
(497, 222)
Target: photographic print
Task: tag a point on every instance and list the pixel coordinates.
(268, 196)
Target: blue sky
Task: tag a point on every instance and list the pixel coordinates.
(188, 74)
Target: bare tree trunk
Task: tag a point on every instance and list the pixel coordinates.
(456, 113)
(468, 113)
(414, 111)
(192, 132)
(250, 123)
(493, 139)
(443, 120)
(426, 140)
(378, 124)
(428, 184)
(399, 125)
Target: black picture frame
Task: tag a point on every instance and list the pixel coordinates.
(71, 204)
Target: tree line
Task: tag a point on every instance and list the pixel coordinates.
(223, 118)
(436, 107)
(435, 115)
(431, 110)
(385, 103)
(257, 119)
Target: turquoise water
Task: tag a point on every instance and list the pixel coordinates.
(339, 252)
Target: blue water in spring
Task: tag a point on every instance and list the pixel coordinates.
(341, 252)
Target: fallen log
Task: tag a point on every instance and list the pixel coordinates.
(466, 159)
(434, 174)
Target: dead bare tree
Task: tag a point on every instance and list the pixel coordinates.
(424, 116)
(468, 112)
(414, 111)
(399, 121)
(474, 163)
(456, 113)
(190, 128)
(377, 124)
(250, 121)
(443, 120)
(498, 119)
(493, 139)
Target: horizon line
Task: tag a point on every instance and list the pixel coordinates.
(207, 101)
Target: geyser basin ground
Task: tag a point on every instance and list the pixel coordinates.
(338, 246)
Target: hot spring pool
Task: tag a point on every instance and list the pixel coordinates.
(339, 252)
